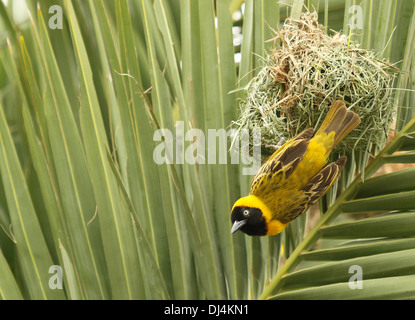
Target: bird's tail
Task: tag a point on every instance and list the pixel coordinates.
(340, 121)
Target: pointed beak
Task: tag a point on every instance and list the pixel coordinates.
(238, 225)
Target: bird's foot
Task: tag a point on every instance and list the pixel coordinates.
(276, 146)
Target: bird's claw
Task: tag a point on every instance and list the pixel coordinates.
(276, 146)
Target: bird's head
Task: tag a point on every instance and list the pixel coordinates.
(253, 217)
(247, 216)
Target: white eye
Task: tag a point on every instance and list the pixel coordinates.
(246, 212)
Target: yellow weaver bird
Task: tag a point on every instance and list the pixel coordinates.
(294, 177)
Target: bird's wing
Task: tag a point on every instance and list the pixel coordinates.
(281, 164)
(297, 209)
(313, 190)
(320, 183)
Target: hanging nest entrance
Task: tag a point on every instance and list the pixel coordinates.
(303, 76)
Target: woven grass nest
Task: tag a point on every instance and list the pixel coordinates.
(303, 76)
